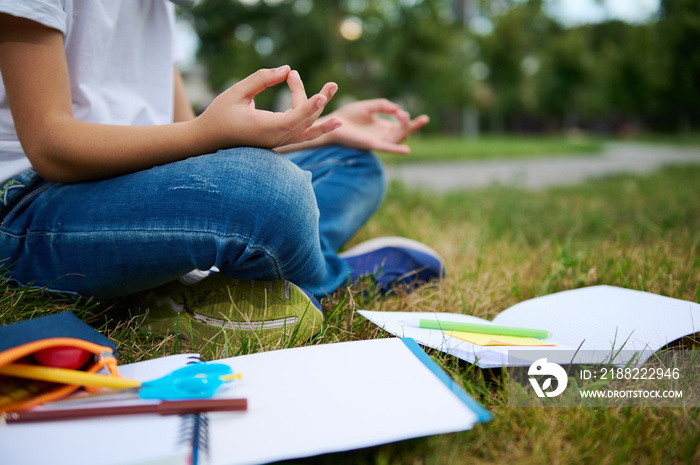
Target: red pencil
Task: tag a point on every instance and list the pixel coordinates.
(179, 407)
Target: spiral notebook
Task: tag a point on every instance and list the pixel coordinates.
(301, 402)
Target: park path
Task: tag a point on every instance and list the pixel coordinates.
(541, 172)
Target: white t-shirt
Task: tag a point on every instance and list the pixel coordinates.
(120, 62)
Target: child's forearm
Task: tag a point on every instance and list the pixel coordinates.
(71, 150)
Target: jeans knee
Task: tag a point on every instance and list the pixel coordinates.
(292, 201)
(373, 163)
(279, 198)
(375, 170)
(365, 161)
(366, 169)
(244, 192)
(369, 174)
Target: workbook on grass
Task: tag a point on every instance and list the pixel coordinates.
(599, 324)
(301, 402)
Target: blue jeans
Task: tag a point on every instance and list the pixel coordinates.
(250, 212)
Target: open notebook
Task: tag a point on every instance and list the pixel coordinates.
(597, 320)
(301, 402)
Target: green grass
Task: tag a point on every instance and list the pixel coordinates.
(441, 148)
(503, 246)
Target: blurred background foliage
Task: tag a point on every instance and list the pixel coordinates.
(473, 65)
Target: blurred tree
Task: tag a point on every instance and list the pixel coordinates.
(506, 58)
(679, 30)
(566, 74)
(513, 54)
(628, 72)
(238, 38)
(426, 56)
(405, 50)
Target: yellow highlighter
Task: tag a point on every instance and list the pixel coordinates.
(66, 376)
(196, 381)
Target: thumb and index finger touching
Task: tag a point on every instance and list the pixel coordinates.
(270, 77)
(385, 106)
(304, 110)
(261, 80)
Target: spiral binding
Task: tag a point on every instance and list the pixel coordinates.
(194, 429)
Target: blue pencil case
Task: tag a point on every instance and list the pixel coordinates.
(62, 341)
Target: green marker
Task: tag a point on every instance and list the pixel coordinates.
(484, 329)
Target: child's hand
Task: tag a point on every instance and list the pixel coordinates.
(233, 121)
(363, 129)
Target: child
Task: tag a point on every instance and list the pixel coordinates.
(111, 185)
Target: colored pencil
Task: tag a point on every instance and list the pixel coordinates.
(179, 407)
